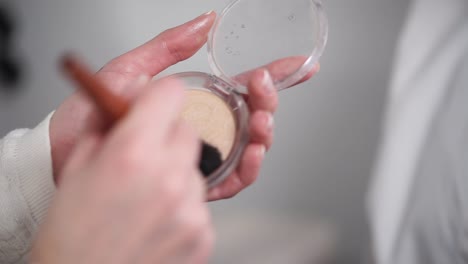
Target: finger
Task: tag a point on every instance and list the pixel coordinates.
(166, 49)
(197, 186)
(246, 174)
(148, 123)
(135, 87)
(197, 229)
(186, 206)
(262, 93)
(261, 128)
(185, 142)
(83, 153)
(204, 248)
(280, 69)
(182, 235)
(242, 177)
(309, 75)
(249, 167)
(190, 177)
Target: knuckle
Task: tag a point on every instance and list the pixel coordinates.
(172, 49)
(173, 191)
(205, 246)
(204, 250)
(262, 115)
(130, 160)
(187, 132)
(171, 201)
(199, 183)
(187, 140)
(274, 102)
(117, 66)
(196, 226)
(209, 241)
(231, 195)
(206, 243)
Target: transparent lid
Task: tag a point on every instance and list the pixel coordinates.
(285, 36)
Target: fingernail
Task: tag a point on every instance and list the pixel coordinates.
(317, 68)
(270, 122)
(142, 80)
(261, 151)
(201, 21)
(268, 82)
(205, 14)
(208, 13)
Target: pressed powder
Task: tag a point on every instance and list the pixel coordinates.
(212, 118)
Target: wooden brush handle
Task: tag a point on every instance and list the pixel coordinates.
(113, 106)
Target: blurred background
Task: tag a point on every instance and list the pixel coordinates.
(308, 205)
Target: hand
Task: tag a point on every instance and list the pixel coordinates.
(262, 100)
(133, 195)
(77, 115)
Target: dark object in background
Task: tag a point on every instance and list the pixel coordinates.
(9, 69)
(210, 159)
(9, 72)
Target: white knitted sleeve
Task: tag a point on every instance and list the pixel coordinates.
(26, 188)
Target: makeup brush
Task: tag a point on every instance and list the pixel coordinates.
(114, 107)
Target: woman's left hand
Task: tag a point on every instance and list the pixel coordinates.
(77, 115)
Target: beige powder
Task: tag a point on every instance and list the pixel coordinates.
(212, 119)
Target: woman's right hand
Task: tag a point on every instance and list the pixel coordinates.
(133, 195)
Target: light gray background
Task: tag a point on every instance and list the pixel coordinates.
(326, 129)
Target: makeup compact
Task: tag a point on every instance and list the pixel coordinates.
(287, 37)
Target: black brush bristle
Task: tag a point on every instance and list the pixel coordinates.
(210, 159)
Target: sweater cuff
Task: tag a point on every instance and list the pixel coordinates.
(34, 169)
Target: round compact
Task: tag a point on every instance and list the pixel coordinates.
(285, 37)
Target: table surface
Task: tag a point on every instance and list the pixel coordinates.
(253, 238)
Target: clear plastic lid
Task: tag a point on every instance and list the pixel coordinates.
(285, 36)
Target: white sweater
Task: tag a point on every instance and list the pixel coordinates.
(26, 188)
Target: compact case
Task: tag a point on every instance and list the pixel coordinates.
(285, 36)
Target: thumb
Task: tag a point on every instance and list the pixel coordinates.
(82, 154)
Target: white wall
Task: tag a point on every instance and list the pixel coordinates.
(326, 129)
